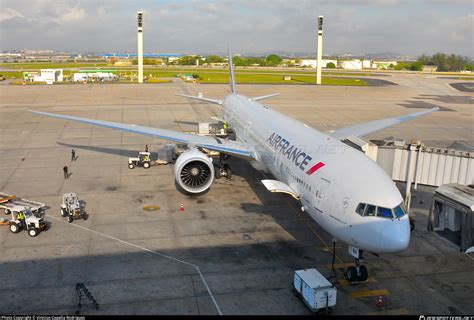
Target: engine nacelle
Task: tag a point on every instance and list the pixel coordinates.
(194, 171)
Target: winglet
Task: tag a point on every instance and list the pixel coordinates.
(231, 69)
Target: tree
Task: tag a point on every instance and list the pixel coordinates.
(445, 62)
(425, 60)
(189, 60)
(402, 66)
(331, 65)
(214, 59)
(273, 60)
(416, 66)
(239, 61)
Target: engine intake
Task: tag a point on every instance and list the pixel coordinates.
(194, 171)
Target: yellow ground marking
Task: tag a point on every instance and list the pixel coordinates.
(342, 265)
(369, 293)
(393, 312)
(151, 208)
(345, 282)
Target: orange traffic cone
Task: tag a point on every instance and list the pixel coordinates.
(181, 207)
(380, 302)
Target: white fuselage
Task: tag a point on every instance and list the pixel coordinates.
(331, 178)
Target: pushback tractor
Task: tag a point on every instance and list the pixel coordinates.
(72, 208)
(23, 218)
(143, 160)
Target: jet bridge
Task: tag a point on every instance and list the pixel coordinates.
(452, 212)
(417, 163)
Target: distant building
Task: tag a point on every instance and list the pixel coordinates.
(430, 68)
(354, 64)
(188, 78)
(172, 59)
(45, 75)
(313, 63)
(94, 76)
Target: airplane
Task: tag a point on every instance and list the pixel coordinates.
(343, 190)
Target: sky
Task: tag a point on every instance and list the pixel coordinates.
(409, 27)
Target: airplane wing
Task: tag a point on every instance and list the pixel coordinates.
(215, 101)
(363, 129)
(213, 143)
(265, 97)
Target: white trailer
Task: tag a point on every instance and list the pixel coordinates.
(314, 289)
(8, 201)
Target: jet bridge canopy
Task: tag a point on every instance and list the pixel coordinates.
(453, 209)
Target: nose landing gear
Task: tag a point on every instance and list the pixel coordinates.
(359, 272)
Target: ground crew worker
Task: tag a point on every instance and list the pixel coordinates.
(66, 174)
(225, 125)
(73, 155)
(146, 148)
(21, 217)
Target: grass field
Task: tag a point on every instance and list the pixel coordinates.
(206, 75)
(277, 79)
(51, 65)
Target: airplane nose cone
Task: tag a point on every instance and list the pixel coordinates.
(395, 237)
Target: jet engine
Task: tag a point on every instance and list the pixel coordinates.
(194, 171)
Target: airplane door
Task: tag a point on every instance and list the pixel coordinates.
(320, 193)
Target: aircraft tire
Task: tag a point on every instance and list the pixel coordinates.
(351, 274)
(363, 273)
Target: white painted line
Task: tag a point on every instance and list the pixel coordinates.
(150, 251)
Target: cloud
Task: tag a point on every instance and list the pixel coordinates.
(9, 13)
(189, 26)
(73, 14)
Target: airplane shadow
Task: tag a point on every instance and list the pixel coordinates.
(113, 151)
(310, 241)
(283, 209)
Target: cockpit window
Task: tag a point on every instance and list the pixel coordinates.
(399, 211)
(370, 210)
(384, 212)
(373, 211)
(360, 209)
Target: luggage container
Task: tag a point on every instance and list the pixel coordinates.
(315, 290)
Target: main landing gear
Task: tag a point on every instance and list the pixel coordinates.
(222, 168)
(359, 272)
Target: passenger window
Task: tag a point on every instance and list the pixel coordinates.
(370, 210)
(360, 209)
(384, 212)
(399, 211)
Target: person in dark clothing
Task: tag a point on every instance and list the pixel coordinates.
(146, 148)
(73, 155)
(66, 174)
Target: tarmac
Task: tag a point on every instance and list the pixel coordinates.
(231, 251)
